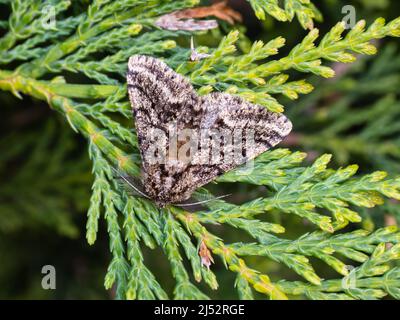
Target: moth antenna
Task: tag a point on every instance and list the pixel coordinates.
(202, 202)
(130, 184)
(191, 43)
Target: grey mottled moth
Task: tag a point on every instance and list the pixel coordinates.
(187, 140)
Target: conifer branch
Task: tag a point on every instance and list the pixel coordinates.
(329, 199)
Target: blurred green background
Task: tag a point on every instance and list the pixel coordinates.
(46, 177)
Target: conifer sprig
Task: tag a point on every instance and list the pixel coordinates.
(304, 10)
(330, 199)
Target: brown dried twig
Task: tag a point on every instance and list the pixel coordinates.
(186, 19)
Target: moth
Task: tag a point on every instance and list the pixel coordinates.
(187, 140)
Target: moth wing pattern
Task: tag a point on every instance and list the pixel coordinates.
(228, 114)
(161, 97)
(234, 114)
(157, 91)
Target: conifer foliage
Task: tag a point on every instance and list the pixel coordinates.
(77, 65)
